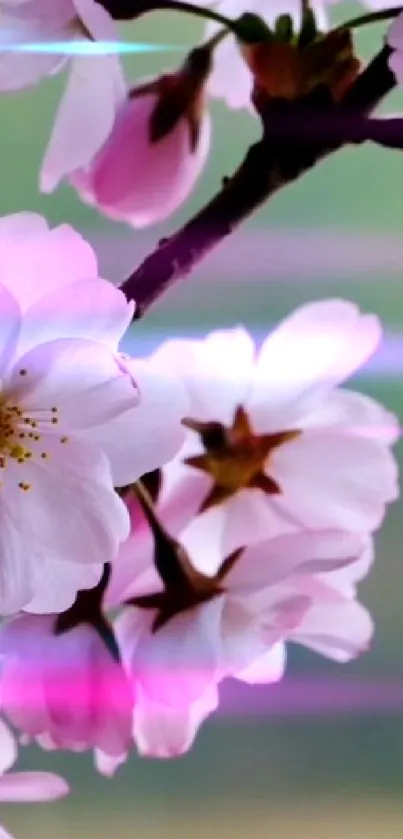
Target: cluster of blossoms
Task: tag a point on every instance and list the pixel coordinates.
(171, 521)
(135, 150)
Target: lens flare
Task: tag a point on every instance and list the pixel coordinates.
(82, 47)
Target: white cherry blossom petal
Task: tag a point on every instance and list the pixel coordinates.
(97, 518)
(63, 581)
(69, 312)
(25, 69)
(85, 117)
(312, 351)
(216, 371)
(83, 379)
(327, 480)
(16, 585)
(267, 669)
(153, 428)
(161, 731)
(341, 631)
(328, 552)
(356, 414)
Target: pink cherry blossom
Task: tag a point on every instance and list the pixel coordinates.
(66, 687)
(275, 591)
(76, 417)
(24, 786)
(322, 453)
(95, 84)
(137, 180)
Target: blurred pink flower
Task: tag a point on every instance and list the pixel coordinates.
(24, 786)
(65, 687)
(273, 444)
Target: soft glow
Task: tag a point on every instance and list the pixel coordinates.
(82, 47)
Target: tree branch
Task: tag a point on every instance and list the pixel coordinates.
(132, 9)
(296, 136)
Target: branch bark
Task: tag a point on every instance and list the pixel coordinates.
(296, 136)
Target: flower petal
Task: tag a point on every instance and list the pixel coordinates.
(267, 563)
(8, 748)
(107, 765)
(162, 731)
(36, 261)
(63, 581)
(267, 669)
(340, 631)
(153, 428)
(23, 69)
(16, 587)
(85, 380)
(85, 116)
(312, 351)
(32, 786)
(355, 413)
(216, 371)
(71, 511)
(10, 324)
(331, 479)
(176, 664)
(69, 312)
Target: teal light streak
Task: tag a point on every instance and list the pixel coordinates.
(71, 48)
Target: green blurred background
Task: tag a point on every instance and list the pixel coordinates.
(294, 767)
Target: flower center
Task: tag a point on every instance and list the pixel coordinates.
(235, 457)
(21, 433)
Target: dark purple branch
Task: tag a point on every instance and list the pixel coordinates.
(295, 137)
(131, 9)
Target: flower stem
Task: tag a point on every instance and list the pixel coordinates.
(197, 11)
(270, 165)
(216, 39)
(371, 17)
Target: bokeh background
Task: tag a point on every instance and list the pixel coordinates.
(322, 753)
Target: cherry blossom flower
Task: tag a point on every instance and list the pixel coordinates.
(76, 417)
(274, 444)
(155, 152)
(181, 635)
(95, 82)
(65, 688)
(24, 786)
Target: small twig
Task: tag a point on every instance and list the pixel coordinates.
(296, 137)
(129, 10)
